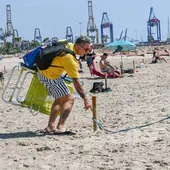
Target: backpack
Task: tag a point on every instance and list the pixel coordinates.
(43, 57)
(97, 87)
(129, 70)
(29, 58)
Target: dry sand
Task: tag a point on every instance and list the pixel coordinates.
(133, 101)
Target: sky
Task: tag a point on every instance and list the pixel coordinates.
(53, 16)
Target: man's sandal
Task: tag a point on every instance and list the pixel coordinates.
(48, 131)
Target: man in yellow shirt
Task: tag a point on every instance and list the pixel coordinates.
(56, 87)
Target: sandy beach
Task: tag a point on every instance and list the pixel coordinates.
(134, 100)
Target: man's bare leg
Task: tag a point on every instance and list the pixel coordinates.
(65, 108)
(54, 113)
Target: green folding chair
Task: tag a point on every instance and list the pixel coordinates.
(36, 98)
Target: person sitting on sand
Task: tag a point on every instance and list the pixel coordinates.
(156, 56)
(105, 66)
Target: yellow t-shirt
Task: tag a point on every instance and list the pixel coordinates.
(68, 64)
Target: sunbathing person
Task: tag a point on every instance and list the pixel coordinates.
(156, 56)
(105, 67)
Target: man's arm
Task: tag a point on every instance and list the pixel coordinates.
(78, 87)
(107, 64)
(71, 67)
(81, 92)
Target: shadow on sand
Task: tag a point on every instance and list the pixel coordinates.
(27, 134)
(30, 134)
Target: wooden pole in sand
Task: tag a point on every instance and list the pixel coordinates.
(134, 65)
(94, 112)
(143, 61)
(5, 70)
(121, 66)
(105, 77)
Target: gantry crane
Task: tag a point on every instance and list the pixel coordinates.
(120, 37)
(91, 26)
(125, 36)
(105, 23)
(9, 31)
(1, 34)
(16, 33)
(16, 39)
(153, 22)
(69, 34)
(37, 35)
(168, 35)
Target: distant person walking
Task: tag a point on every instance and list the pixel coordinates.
(90, 58)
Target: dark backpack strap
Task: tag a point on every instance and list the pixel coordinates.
(68, 51)
(64, 51)
(45, 57)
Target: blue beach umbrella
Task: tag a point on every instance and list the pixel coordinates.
(119, 46)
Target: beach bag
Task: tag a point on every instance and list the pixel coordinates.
(129, 70)
(97, 87)
(42, 57)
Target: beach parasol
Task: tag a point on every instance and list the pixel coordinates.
(120, 46)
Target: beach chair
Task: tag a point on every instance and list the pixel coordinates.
(34, 97)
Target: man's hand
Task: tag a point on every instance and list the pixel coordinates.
(86, 104)
(80, 91)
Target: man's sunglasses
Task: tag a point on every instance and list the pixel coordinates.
(86, 49)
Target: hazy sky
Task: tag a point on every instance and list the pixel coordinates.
(53, 16)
